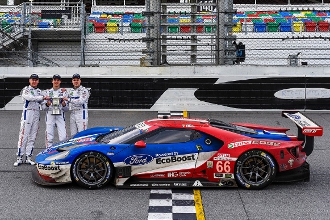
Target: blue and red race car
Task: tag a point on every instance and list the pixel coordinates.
(174, 152)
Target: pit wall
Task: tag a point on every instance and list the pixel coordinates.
(191, 88)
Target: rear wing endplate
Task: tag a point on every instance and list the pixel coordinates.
(307, 129)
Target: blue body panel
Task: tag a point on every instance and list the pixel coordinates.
(273, 135)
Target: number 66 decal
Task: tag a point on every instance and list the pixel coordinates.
(223, 167)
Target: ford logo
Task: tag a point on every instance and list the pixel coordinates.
(297, 117)
(140, 159)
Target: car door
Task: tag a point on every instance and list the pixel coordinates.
(166, 149)
(176, 149)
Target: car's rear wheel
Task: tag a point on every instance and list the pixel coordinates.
(255, 169)
(92, 170)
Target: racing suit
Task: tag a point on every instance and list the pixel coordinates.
(78, 102)
(55, 120)
(30, 119)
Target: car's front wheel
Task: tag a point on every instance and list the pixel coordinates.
(92, 170)
(255, 169)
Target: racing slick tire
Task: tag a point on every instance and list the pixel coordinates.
(255, 169)
(92, 170)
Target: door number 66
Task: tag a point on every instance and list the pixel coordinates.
(223, 167)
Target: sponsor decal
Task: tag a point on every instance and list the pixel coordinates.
(197, 183)
(140, 184)
(311, 131)
(299, 120)
(161, 184)
(209, 164)
(82, 140)
(49, 150)
(61, 163)
(225, 158)
(199, 147)
(157, 175)
(167, 154)
(175, 159)
(112, 148)
(283, 166)
(224, 175)
(290, 161)
(142, 126)
(178, 174)
(218, 175)
(110, 153)
(223, 166)
(270, 143)
(48, 167)
(187, 125)
(243, 143)
(139, 159)
(180, 184)
(238, 144)
(293, 116)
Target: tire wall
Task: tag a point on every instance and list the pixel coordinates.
(218, 88)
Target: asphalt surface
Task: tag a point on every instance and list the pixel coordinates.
(23, 199)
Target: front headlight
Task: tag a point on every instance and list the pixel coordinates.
(59, 156)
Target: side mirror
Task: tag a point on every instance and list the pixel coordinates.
(140, 144)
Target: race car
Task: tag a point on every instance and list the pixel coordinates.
(174, 151)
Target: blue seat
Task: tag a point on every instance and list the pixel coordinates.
(285, 13)
(285, 27)
(240, 15)
(172, 20)
(260, 27)
(127, 20)
(43, 24)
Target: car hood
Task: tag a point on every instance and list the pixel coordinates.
(71, 144)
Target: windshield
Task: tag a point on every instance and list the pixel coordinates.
(125, 134)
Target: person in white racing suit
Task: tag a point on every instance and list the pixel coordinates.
(32, 97)
(55, 114)
(78, 102)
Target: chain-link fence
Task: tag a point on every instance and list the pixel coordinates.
(167, 32)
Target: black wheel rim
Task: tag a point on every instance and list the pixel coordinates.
(91, 169)
(255, 170)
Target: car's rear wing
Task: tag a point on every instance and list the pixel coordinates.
(307, 129)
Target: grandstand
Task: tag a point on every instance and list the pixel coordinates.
(56, 33)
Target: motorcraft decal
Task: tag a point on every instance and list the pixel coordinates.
(139, 159)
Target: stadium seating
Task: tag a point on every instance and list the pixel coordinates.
(99, 27)
(272, 26)
(259, 27)
(285, 27)
(245, 21)
(298, 26)
(323, 26)
(112, 27)
(310, 26)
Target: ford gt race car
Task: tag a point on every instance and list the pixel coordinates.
(171, 152)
